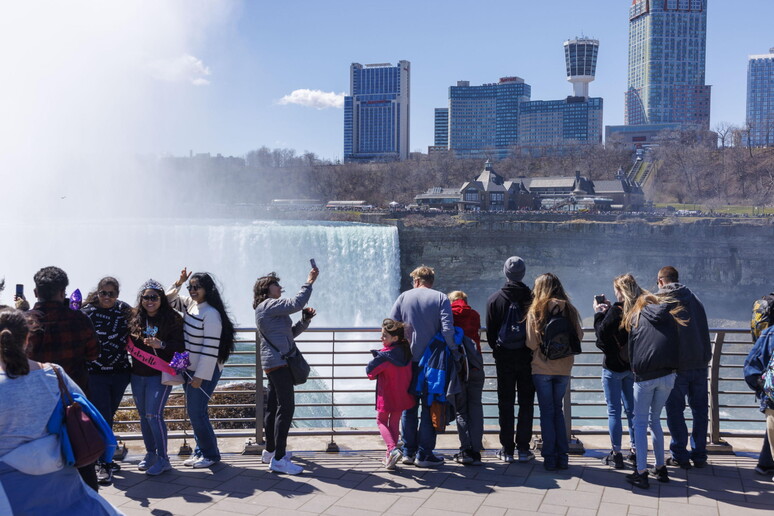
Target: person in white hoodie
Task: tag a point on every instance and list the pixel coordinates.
(209, 340)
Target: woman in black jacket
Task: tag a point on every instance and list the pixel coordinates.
(617, 376)
(653, 353)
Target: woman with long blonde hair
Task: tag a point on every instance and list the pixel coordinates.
(652, 324)
(551, 377)
(617, 376)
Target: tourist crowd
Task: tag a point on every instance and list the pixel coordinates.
(429, 372)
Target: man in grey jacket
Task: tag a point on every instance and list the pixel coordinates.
(695, 353)
(426, 312)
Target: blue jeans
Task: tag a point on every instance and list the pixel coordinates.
(151, 396)
(693, 385)
(550, 391)
(419, 443)
(196, 403)
(106, 392)
(619, 387)
(649, 399)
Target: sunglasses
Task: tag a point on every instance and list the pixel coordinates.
(108, 293)
(151, 297)
(194, 288)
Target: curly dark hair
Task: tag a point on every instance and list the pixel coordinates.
(93, 297)
(139, 318)
(261, 288)
(49, 281)
(212, 296)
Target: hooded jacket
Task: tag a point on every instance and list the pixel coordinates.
(467, 319)
(390, 368)
(654, 343)
(611, 337)
(695, 344)
(497, 310)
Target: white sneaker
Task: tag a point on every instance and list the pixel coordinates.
(203, 463)
(266, 456)
(393, 458)
(505, 457)
(190, 461)
(285, 466)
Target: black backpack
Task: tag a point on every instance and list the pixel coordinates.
(559, 338)
(762, 315)
(513, 331)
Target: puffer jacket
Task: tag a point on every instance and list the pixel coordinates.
(695, 343)
(392, 372)
(654, 343)
(272, 318)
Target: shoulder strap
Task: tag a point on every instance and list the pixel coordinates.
(67, 398)
(275, 347)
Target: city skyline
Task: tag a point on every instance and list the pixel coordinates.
(229, 77)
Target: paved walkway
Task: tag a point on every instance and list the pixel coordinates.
(353, 483)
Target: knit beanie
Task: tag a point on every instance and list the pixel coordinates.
(514, 269)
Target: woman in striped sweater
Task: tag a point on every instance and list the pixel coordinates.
(209, 340)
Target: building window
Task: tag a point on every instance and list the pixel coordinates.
(471, 196)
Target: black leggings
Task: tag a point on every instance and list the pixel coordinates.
(279, 412)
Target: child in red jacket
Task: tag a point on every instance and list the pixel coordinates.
(392, 372)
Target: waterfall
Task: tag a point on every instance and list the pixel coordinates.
(359, 263)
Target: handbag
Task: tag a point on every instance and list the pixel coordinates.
(299, 367)
(86, 442)
(171, 379)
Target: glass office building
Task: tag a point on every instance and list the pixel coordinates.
(667, 53)
(441, 136)
(760, 100)
(376, 113)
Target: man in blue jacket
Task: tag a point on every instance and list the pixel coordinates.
(695, 354)
(426, 312)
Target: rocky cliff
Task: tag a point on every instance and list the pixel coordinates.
(726, 265)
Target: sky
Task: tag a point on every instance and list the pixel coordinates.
(167, 78)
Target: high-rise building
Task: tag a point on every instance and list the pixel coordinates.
(760, 100)
(580, 56)
(483, 120)
(667, 53)
(497, 119)
(441, 127)
(376, 113)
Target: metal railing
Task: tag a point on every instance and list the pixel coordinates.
(338, 399)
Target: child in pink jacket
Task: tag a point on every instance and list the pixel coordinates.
(391, 368)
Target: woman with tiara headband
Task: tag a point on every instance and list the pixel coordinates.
(156, 330)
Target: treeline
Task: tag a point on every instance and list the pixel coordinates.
(690, 169)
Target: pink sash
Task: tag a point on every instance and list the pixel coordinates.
(148, 359)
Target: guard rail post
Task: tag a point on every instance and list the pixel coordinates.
(257, 446)
(716, 444)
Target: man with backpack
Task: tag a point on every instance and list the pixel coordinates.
(506, 333)
(695, 354)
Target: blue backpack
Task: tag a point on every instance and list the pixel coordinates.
(513, 331)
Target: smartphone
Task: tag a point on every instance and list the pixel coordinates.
(19, 290)
(600, 299)
(313, 263)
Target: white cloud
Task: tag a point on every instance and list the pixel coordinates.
(185, 68)
(314, 98)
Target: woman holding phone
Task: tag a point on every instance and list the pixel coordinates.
(272, 318)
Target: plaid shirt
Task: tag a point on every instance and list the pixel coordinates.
(62, 336)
